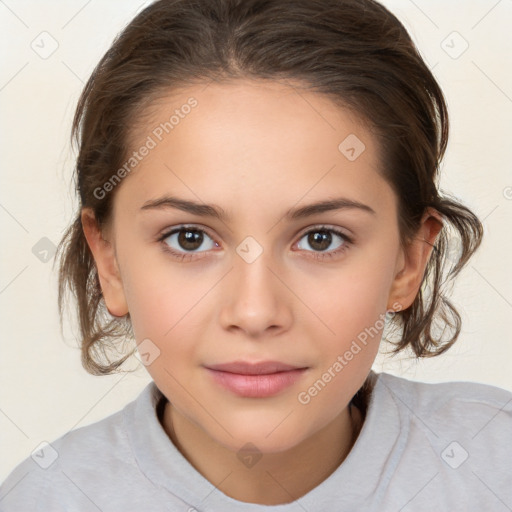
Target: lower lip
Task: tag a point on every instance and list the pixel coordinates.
(257, 386)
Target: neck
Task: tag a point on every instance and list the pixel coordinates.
(277, 478)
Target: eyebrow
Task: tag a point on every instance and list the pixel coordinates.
(211, 210)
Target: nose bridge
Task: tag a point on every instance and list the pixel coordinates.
(256, 298)
(254, 280)
(256, 273)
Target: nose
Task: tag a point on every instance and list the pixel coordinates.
(256, 300)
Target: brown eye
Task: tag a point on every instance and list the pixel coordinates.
(320, 239)
(185, 239)
(190, 240)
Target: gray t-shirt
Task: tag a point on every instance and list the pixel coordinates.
(422, 447)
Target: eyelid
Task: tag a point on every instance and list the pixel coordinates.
(166, 232)
(326, 227)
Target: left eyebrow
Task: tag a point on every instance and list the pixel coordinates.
(340, 203)
(211, 210)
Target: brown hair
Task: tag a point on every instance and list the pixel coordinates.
(354, 51)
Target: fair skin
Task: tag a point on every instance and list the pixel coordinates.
(257, 150)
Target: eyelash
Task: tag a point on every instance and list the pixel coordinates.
(348, 241)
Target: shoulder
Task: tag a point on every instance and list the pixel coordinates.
(476, 415)
(429, 398)
(66, 469)
(452, 441)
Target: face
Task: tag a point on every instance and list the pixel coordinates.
(266, 279)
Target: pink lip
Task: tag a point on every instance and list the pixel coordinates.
(246, 368)
(256, 380)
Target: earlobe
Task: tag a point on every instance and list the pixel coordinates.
(414, 259)
(106, 264)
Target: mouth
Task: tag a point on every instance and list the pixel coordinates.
(259, 368)
(255, 380)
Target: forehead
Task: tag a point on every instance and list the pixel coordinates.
(250, 141)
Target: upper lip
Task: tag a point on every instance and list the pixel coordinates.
(259, 368)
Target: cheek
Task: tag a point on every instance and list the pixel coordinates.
(158, 296)
(168, 305)
(352, 299)
(353, 307)
(162, 311)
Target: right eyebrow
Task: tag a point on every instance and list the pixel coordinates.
(200, 209)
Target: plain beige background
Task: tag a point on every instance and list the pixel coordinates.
(44, 390)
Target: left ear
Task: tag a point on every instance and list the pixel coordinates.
(413, 261)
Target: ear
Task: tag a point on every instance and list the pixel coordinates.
(413, 260)
(106, 264)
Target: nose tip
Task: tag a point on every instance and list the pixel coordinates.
(255, 300)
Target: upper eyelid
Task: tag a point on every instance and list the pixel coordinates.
(326, 227)
(179, 227)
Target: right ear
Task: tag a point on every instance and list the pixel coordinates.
(106, 264)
